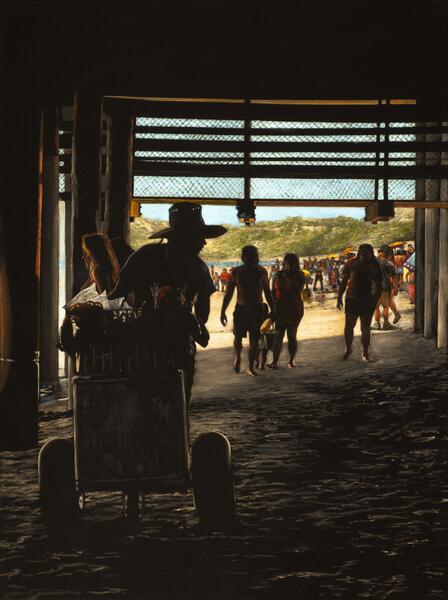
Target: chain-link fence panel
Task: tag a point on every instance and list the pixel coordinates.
(183, 157)
(155, 122)
(189, 187)
(312, 189)
(399, 189)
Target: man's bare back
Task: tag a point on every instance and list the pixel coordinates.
(250, 282)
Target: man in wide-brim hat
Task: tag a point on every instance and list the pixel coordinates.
(175, 264)
(185, 218)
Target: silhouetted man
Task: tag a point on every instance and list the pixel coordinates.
(251, 281)
(175, 264)
(362, 278)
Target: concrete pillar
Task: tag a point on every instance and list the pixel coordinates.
(49, 283)
(119, 187)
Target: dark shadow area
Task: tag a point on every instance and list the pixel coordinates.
(341, 483)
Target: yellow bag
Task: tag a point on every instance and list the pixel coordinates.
(266, 325)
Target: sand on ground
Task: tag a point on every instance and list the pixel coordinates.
(340, 471)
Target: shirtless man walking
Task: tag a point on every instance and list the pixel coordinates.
(362, 278)
(250, 281)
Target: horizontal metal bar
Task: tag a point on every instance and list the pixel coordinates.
(290, 131)
(348, 147)
(142, 168)
(351, 203)
(277, 112)
(290, 160)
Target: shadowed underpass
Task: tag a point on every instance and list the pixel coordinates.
(340, 468)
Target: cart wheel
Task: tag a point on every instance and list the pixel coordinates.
(213, 490)
(56, 473)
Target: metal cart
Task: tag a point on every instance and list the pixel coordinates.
(131, 432)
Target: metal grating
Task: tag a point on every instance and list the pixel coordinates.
(161, 133)
(282, 159)
(189, 187)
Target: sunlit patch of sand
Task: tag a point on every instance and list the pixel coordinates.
(321, 319)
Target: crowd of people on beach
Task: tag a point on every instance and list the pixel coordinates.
(324, 273)
(270, 300)
(371, 283)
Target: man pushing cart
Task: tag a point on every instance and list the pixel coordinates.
(132, 388)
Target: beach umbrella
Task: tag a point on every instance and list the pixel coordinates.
(410, 263)
(396, 244)
(349, 250)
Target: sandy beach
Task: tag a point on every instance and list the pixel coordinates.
(340, 472)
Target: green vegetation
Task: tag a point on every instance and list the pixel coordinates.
(295, 234)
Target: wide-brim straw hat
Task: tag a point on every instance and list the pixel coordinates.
(186, 218)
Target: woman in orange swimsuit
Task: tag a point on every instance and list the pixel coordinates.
(288, 286)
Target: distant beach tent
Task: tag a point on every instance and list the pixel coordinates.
(396, 244)
(349, 250)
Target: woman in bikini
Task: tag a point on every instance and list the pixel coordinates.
(288, 286)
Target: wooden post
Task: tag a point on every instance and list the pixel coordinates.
(119, 174)
(49, 284)
(431, 270)
(432, 194)
(86, 176)
(419, 224)
(442, 320)
(431, 266)
(431, 262)
(19, 264)
(442, 304)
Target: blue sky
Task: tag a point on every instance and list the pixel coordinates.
(227, 214)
